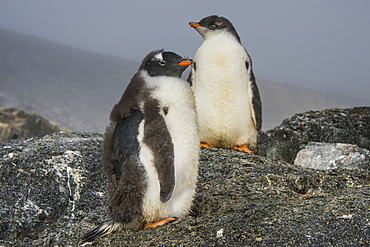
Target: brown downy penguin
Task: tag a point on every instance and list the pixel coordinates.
(228, 101)
(151, 148)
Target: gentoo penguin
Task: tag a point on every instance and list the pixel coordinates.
(228, 101)
(151, 148)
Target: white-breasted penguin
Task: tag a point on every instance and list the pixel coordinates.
(228, 102)
(151, 148)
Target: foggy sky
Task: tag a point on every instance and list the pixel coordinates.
(320, 45)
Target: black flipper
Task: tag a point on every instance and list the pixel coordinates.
(256, 98)
(158, 139)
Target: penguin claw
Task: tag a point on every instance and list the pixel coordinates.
(161, 222)
(243, 148)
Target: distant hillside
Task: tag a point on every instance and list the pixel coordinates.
(78, 88)
(281, 101)
(74, 87)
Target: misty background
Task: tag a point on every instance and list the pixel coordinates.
(71, 60)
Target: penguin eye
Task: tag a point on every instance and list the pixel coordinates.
(213, 26)
(162, 63)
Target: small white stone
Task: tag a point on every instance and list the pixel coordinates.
(220, 233)
(347, 216)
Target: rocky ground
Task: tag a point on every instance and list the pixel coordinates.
(53, 191)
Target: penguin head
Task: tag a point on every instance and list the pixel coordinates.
(165, 63)
(212, 25)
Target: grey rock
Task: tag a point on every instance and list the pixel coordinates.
(42, 178)
(325, 156)
(333, 126)
(53, 191)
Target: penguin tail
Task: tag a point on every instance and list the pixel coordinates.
(105, 228)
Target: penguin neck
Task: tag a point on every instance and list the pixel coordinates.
(221, 37)
(156, 82)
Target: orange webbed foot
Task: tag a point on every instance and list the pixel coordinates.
(244, 148)
(205, 145)
(161, 222)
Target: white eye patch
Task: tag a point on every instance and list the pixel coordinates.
(159, 57)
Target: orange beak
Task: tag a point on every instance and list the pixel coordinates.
(186, 62)
(194, 24)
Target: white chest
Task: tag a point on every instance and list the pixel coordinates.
(181, 121)
(221, 71)
(222, 90)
